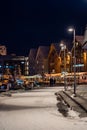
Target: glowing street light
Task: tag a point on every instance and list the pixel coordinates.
(63, 48)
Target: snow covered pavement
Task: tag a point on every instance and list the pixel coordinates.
(37, 110)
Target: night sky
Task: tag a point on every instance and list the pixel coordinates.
(26, 24)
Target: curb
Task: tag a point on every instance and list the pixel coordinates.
(76, 101)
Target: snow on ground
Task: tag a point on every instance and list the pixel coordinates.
(37, 110)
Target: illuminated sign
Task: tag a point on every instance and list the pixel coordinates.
(78, 65)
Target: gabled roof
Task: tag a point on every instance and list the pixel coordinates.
(68, 44)
(85, 39)
(44, 50)
(85, 36)
(85, 46)
(32, 54)
(57, 47)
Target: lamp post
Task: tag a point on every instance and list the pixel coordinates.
(63, 47)
(73, 30)
(70, 54)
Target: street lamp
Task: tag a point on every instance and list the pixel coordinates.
(63, 47)
(73, 30)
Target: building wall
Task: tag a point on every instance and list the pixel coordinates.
(16, 65)
(85, 60)
(3, 50)
(53, 60)
(41, 61)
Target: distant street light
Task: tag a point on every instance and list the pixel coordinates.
(73, 30)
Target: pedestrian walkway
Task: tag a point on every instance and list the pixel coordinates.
(75, 102)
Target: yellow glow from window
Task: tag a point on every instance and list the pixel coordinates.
(85, 56)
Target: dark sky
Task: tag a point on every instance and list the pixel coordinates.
(26, 24)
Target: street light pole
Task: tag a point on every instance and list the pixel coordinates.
(65, 67)
(73, 30)
(70, 54)
(63, 47)
(74, 64)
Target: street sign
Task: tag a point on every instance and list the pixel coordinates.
(78, 65)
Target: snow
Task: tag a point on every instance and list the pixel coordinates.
(73, 114)
(37, 110)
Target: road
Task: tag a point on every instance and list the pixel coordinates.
(37, 110)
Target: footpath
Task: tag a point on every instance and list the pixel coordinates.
(74, 102)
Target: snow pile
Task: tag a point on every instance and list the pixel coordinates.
(73, 114)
